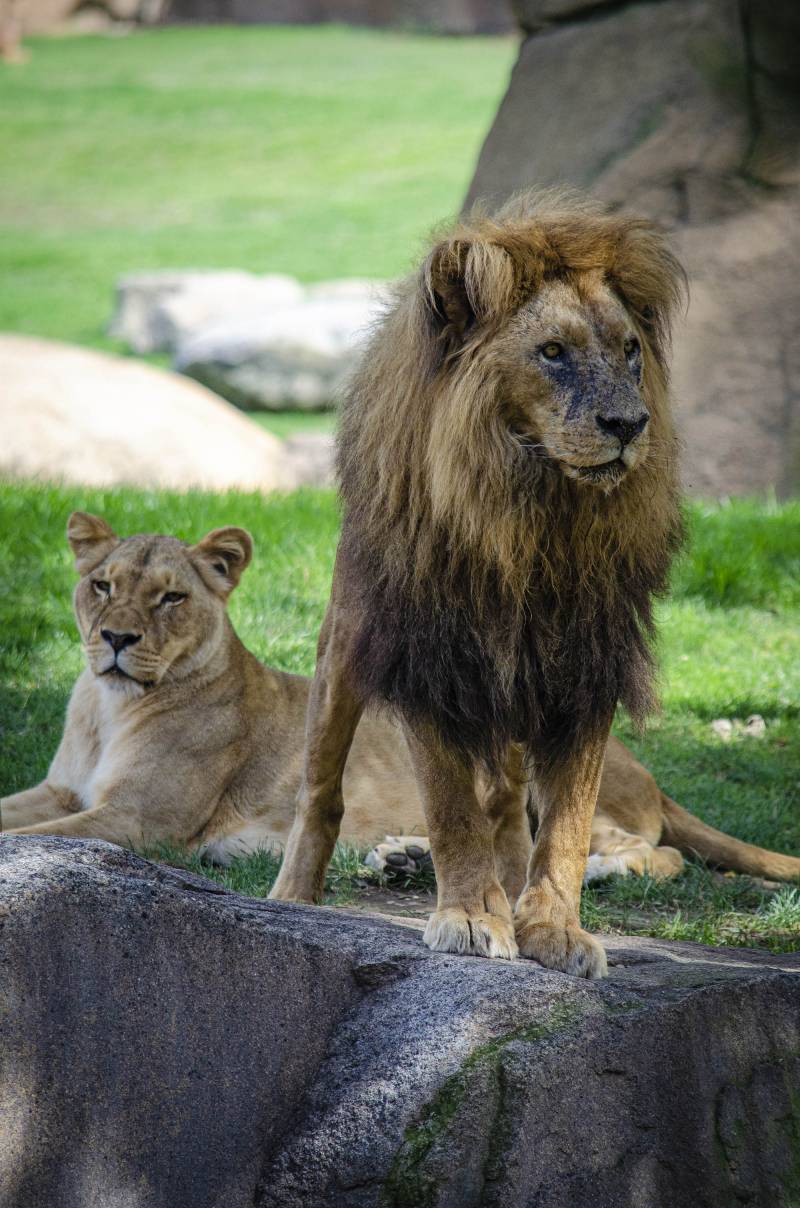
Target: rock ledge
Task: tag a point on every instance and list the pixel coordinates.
(168, 1043)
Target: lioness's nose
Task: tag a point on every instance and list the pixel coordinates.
(624, 429)
(118, 641)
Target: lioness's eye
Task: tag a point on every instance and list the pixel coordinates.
(631, 346)
(172, 597)
(101, 587)
(552, 350)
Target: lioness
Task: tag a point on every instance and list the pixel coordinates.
(175, 733)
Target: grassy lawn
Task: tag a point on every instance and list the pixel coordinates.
(730, 647)
(321, 152)
(295, 423)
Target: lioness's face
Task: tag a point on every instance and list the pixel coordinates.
(573, 364)
(150, 608)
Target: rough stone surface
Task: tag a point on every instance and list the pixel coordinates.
(155, 311)
(263, 342)
(439, 16)
(312, 456)
(298, 356)
(38, 16)
(168, 1043)
(69, 414)
(687, 111)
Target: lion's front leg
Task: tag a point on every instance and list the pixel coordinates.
(548, 911)
(334, 709)
(472, 912)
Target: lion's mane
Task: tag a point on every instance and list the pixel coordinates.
(498, 599)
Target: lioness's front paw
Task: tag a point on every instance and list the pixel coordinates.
(567, 949)
(400, 856)
(454, 930)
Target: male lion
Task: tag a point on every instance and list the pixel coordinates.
(507, 464)
(193, 741)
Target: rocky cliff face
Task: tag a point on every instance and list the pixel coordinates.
(687, 111)
(166, 1044)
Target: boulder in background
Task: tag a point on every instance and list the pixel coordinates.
(687, 111)
(73, 415)
(262, 342)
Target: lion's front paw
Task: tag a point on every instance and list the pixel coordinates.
(304, 897)
(454, 930)
(567, 949)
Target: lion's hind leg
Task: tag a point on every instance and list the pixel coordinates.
(617, 852)
(504, 798)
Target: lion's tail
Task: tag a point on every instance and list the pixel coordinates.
(693, 837)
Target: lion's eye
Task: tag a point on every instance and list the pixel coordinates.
(552, 350)
(172, 597)
(102, 587)
(631, 347)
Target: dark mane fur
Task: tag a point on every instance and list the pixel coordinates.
(497, 599)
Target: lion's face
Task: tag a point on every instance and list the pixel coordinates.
(150, 608)
(571, 364)
(546, 335)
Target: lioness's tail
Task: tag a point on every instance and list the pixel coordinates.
(693, 837)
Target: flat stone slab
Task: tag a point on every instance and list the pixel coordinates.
(168, 1043)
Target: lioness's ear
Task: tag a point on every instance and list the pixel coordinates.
(91, 540)
(222, 557)
(468, 281)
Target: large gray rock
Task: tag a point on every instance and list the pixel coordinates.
(292, 357)
(439, 16)
(687, 111)
(262, 342)
(155, 312)
(167, 1043)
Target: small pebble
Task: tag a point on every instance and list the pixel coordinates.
(754, 727)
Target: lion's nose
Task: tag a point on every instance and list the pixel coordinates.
(119, 641)
(624, 429)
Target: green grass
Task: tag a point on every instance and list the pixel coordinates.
(295, 423)
(730, 646)
(256, 874)
(321, 152)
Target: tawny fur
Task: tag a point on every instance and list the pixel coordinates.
(508, 474)
(237, 767)
(498, 597)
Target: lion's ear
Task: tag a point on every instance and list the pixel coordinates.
(91, 539)
(222, 557)
(650, 280)
(444, 274)
(468, 281)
